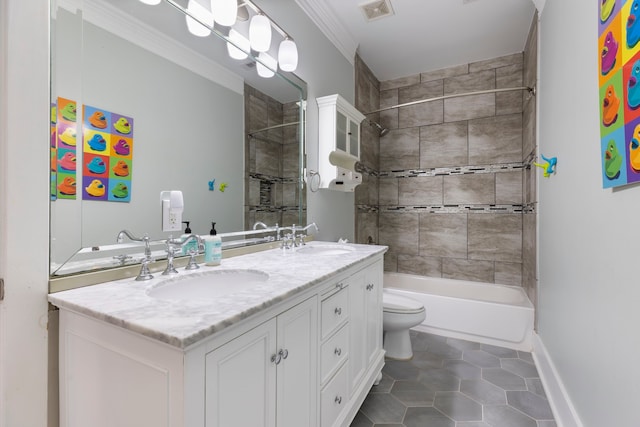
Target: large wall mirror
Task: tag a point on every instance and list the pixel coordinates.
(198, 121)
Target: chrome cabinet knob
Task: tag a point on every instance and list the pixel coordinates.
(337, 351)
(338, 311)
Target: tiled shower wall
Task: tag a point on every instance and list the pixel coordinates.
(271, 160)
(452, 180)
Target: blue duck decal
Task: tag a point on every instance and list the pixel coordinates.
(633, 26)
(97, 143)
(96, 165)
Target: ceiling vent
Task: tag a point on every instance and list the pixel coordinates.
(377, 9)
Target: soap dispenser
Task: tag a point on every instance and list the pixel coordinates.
(212, 247)
(192, 245)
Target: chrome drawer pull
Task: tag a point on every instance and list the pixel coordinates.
(340, 285)
(338, 311)
(338, 400)
(284, 353)
(370, 287)
(337, 351)
(276, 358)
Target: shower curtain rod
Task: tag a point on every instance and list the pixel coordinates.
(272, 127)
(531, 90)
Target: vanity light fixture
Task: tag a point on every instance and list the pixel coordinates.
(288, 55)
(202, 14)
(242, 43)
(225, 11)
(270, 64)
(260, 33)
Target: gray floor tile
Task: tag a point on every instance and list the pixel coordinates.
(463, 344)
(413, 393)
(481, 359)
(361, 421)
(531, 404)
(499, 351)
(383, 408)
(506, 416)
(534, 385)
(457, 406)
(527, 357)
(385, 384)
(444, 350)
(426, 360)
(389, 425)
(400, 370)
(461, 369)
(484, 392)
(439, 380)
(504, 379)
(520, 367)
(547, 424)
(472, 424)
(431, 417)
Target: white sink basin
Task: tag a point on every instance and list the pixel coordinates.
(325, 250)
(207, 285)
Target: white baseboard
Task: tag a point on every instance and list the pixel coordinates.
(563, 410)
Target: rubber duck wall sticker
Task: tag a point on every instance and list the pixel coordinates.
(222, 187)
(549, 165)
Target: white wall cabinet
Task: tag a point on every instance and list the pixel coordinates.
(338, 143)
(309, 361)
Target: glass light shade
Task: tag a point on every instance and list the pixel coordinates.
(288, 55)
(225, 11)
(260, 33)
(240, 41)
(151, 2)
(204, 15)
(271, 65)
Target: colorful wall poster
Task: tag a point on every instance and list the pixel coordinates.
(64, 155)
(107, 155)
(619, 81)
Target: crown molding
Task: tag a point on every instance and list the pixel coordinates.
(123, 25)
(539, 5)
(325, 19)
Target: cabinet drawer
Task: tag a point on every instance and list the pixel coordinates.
(334, 397)
(333, 352)
(335, 311)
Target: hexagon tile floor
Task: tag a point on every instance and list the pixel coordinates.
(455, 383)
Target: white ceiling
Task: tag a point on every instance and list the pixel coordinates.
(424, 35)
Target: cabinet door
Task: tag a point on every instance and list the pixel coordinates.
(241, 380)
(296, 374)
(354, 139)
(373, 302)
(341, 131)
(357, 325)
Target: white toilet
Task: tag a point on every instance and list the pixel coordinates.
(399, 314)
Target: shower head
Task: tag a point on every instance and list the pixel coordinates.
(381, 131)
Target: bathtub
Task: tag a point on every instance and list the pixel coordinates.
(485, 313)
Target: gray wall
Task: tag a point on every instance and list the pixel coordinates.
(449, 174)
(588, 258)
(326, 72)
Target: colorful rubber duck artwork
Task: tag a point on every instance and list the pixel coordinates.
(634, 150)
(54, 161)
(97, 166)
(223, 186)
(69, 112)
(608, 53)
(121, 168)
(95, 188)
(610, 105)
(122, 148)
(98, 120)
(633, 86)
(97, 143)
(68, 137)
(68, 161)
(606, 8)
(54, 114)
(120, 191)
(67, 186)
(612, 161)
(122, 126)
(633, 24)
(549, 165)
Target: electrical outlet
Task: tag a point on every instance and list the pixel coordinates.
(171, 220)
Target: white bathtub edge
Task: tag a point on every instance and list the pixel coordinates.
(563, 410)
(524, 345)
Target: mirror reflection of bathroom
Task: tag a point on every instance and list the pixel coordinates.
(190, 109)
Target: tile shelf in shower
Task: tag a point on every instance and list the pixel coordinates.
(458, 170)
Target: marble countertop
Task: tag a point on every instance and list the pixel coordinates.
(182, 323)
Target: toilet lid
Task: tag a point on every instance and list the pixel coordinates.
(399, 304)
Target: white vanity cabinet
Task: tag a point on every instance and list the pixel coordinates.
(266, 377)
(308, 360)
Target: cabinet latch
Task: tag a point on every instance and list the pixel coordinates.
(1, 289)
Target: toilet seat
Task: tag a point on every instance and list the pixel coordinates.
(392, 303)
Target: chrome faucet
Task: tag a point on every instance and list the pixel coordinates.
(144, 274)
(260, 224)
(173, 246)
